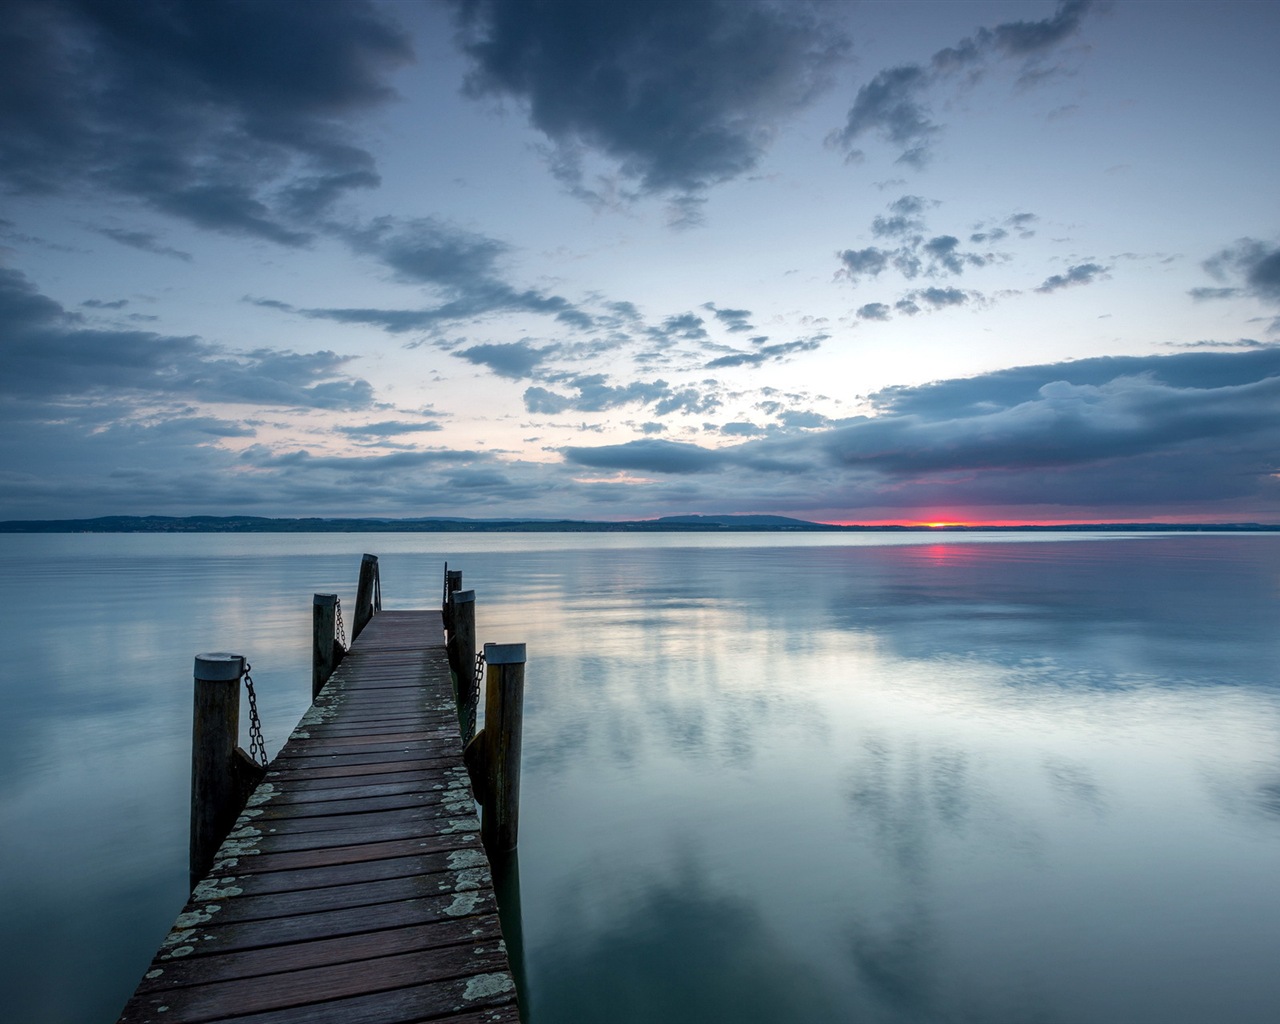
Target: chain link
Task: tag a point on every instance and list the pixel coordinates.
(342, 627)
(474, 705)
(444, 600)
(257, 748)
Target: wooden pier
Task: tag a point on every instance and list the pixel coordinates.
(354, 886)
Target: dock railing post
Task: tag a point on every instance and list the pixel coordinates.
(222, 775)
(365, 592)
(503, 727)
(452, 584)
(462, 656)
(324, 648)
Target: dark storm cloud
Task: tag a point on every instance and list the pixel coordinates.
(49, 354)
(1081, 273)
(893, 104)
(677, 96)
(229, 115)
(1135, 433)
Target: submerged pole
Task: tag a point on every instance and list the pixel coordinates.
(503, 727)
(364, 594)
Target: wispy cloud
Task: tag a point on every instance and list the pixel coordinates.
(1081, 273)
(893, 105)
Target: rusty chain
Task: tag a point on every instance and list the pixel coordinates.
(257, 747)
(474, 703)
(341, 630)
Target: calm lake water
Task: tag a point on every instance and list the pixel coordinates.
(767, 778)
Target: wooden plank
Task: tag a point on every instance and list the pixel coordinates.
(353, 888)
(355, 853)
(321, 952)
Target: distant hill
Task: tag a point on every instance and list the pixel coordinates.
(452, 524)
(743, 522)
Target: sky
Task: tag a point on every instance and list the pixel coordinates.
(850, 262)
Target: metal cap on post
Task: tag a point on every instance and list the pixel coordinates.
(503, 728)
(324, 629)
(215, 733)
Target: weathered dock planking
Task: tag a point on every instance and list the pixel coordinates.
(354, 887)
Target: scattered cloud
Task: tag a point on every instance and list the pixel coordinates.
(733, 320)
(915, 255)
(595, 394)
(1081, 273)
(765, 353)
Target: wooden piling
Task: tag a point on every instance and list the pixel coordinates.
(452, 584)
(462, 658)
(324, 651)
(503, 727)
(365, 591)
(221, 773)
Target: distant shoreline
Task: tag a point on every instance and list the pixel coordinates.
(666, 524)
